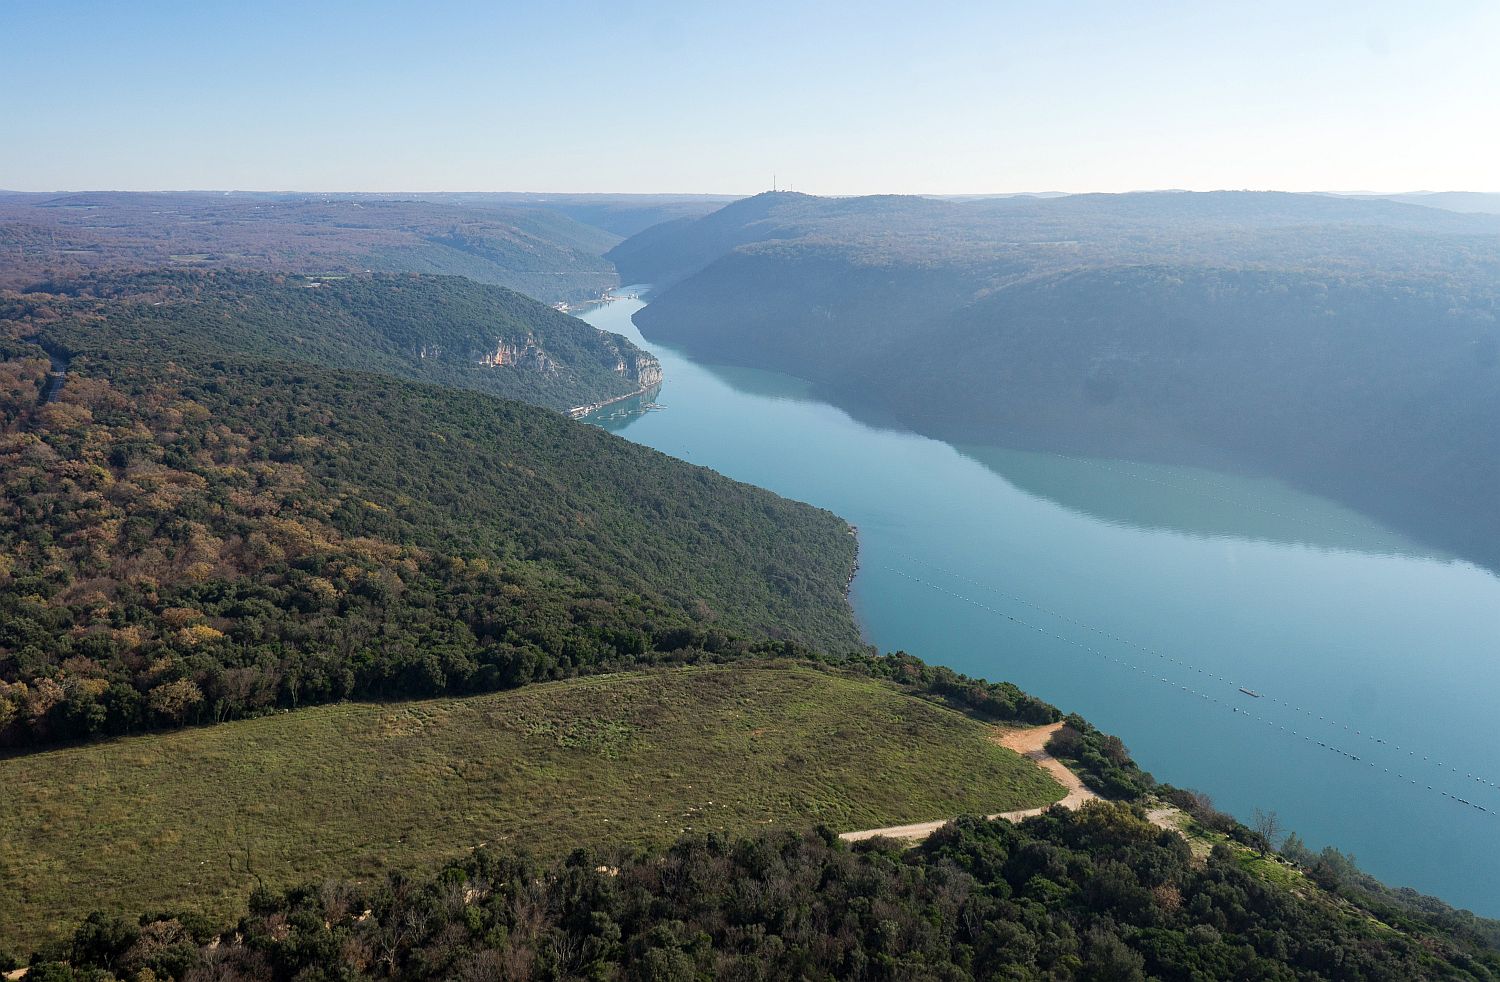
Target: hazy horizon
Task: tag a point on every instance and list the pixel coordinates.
(836, 98)
(226, 191)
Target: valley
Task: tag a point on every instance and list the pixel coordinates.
(1143, 596)
(314, 595)
(1343, 346)
(684, 492)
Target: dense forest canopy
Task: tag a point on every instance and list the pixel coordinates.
(201, 525)
(1347, 345)
(1097, 894)
(442, 329)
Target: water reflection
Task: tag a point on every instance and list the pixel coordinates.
(1173, 498)
(1143, 596)
(1194, 501)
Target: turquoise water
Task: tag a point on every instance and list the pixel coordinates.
(1144, 597)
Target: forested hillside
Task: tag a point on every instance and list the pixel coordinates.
(1380, 391)
(537, 251)
(231, 493)
(199, 526)
(228, 493)
(993, 239)
(1346, 345)
(1098, 894)
(442, 329)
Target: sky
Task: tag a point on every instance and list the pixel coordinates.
(831, 97)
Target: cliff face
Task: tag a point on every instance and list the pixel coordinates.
(526, 353)
(542, 356)
(642, 368)
(630, 363)
(635, 370)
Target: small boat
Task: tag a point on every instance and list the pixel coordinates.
(1250, 692)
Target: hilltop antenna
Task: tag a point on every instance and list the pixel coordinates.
(773, 182)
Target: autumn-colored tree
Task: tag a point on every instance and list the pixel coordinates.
(174, 701)
(199, 634)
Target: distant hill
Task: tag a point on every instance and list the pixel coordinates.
(266, 491)
(1345, 344)
(666, 253)
(442, 329)
(536, 251)
(1464, 201)
(621, 215)
(993, 239)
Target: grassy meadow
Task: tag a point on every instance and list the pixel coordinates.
(191, 819)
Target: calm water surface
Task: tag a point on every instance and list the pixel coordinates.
(1145, 597)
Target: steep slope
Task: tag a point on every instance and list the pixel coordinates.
(1376, 391)
(803, 308)
(663, 254)
(198, 529)
(446, 330)
(1347, 345)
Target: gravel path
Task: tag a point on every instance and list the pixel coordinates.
(1031, 743)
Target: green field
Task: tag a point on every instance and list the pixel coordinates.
(189, 819)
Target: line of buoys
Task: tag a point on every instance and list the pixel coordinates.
(1353, 758)
(1479, 779)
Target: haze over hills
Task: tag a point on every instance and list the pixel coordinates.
(540, 252)
(620, 215)
(635, 575)
(996, 236)
(1462, 201)
(1347, 345)
(267, 485)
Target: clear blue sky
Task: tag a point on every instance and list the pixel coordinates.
(837, 98)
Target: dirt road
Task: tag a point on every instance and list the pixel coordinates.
(1031, 743)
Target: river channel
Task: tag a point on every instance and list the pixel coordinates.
(1147, 598)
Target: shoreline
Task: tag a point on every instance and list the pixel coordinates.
(578, 412)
